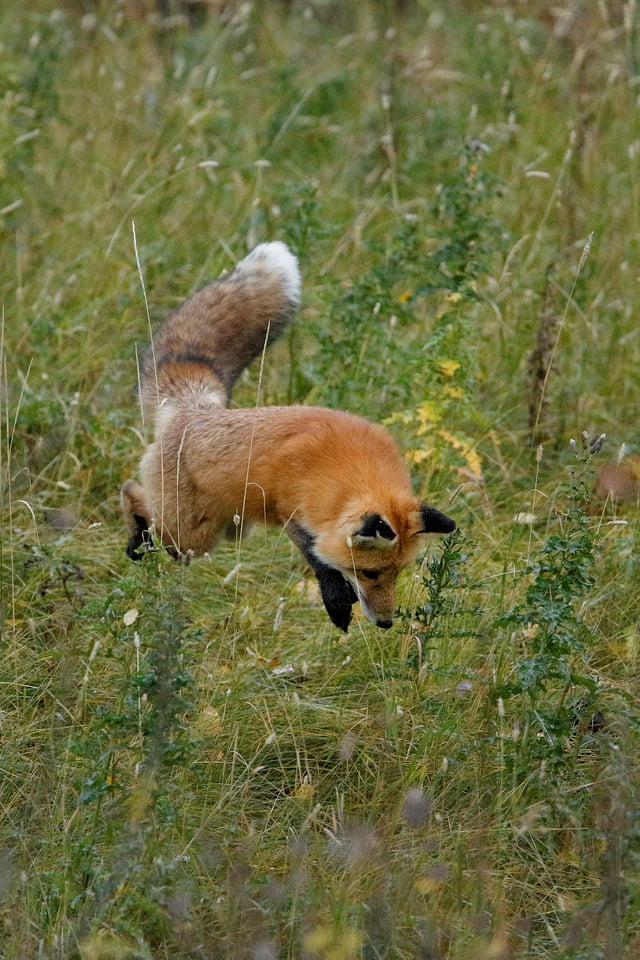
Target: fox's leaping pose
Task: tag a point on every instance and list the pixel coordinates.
(336, 483)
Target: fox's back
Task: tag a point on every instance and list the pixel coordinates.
(274, 463)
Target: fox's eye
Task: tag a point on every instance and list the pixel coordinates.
(370, 574)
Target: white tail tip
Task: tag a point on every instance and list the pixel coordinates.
(275, 257)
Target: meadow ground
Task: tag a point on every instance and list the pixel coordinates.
(194, 763)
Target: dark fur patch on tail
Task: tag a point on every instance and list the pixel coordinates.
(212, 364)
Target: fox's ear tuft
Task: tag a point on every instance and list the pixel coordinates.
(433, 521)
(374, 532)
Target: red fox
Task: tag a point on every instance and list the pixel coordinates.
(336, 483)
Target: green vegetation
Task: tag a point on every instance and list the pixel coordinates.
(195, 765)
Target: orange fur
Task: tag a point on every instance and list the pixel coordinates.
(335, 482)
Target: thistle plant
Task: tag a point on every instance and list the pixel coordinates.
(550, 623)
(135, 744)
(438, 617)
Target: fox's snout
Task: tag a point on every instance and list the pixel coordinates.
(381, 615)
(384, 624)
(378, 601)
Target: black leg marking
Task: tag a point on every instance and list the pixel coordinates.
(338, 595)
(138, 539)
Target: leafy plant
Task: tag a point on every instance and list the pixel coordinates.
(381, 322)
(551, 627)
(134, 742)
(451, 277)
(439, 617)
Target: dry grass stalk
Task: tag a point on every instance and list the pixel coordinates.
(541, 365)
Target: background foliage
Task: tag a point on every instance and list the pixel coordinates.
(194, 764)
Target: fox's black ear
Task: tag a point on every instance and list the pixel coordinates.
(374, 531)
(435, 522)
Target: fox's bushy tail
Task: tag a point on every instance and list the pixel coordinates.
(211, 337)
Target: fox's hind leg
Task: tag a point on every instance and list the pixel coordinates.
(137, 517)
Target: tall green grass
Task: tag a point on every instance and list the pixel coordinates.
(194, 764)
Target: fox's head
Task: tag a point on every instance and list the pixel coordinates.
(362, 559)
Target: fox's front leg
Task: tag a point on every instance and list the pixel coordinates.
(337, 593)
